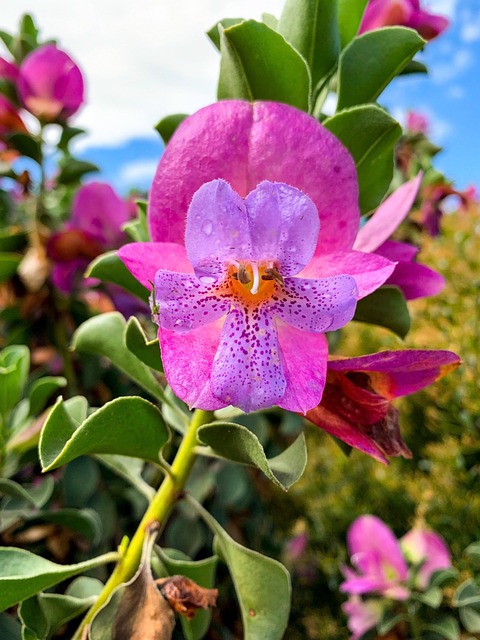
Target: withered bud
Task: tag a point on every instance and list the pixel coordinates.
(185, 596)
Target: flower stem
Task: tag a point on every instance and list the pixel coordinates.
(158, 511)
(414, 624)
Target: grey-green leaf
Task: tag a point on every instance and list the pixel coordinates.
(127, 426)
(370, 134)
(168, 125)
(385, 307)
(258, 64)
(148, 351)
(41, 390)
(109, 268)
(371, 61)
(214, 32)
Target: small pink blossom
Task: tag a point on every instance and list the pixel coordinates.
(406, 13)
(427, 550)
(417, 123)
(363, 615)
(50, 84)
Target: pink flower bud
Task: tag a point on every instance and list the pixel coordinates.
(50, 84)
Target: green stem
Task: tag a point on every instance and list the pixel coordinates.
(158, 511)
(414, 623)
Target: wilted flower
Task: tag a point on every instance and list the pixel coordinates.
(428, 552)
(414, 279)
(434, 197)
(356, 404)
(275, 143)
(406, 13)
(363, 615)
(10, 121)
(50, 84)
(378, 560)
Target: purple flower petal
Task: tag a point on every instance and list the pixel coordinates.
(283, 224)
(397, 251)
(247, 370)
(184, 303)
(188, 361)
(144, 259)
(369, 270)
(428, 548)
(363, 615)
(399, 373)
(416, 280)
(246, 143)
(387, 217)
(317, 305)
(304, 359)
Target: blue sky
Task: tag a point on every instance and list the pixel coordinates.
(152, 59)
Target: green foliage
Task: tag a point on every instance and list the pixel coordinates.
(148, 351)
(258, 64)
(350, 14)
(385, 307)
(168, 125)
(138, 229)
(74, 170)
(109, 268)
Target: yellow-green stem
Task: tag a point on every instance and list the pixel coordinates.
(157, 511)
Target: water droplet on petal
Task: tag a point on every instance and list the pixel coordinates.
(207, 227)
(207, 279)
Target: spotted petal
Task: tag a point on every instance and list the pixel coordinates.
(247, 371)
(320, 305)
(184, 303)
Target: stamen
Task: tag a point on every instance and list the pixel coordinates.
(242, 275)
(256, 278)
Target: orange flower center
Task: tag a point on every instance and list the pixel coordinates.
(254, 282)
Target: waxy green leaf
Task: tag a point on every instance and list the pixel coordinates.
(26, 145)
(104, 335)
(446, 627)
(237, 443)
(11, 239)
(23, 574)
(371, 61)
(370, 134)
(109, 268)
(350, 13)
(137, 229)
(387, 308)
(258, 64)
(41, 391)
(14, 367)
(262, 585)
(311, 27)
(127, 426)
(168, 125)
(214, 33)
(148, 351)
(8, 264)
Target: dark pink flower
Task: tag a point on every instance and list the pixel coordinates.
(8, 70)
(406, 13)
(414, 279)
(417, 123)
(363, 615)
(427, 550)
(433, 201)
(356, 404)
(250, 146)
(50, 84)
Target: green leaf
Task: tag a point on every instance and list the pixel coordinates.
(85, 522)
(28, 28)
(41, 391)
(385, 307)
(350, 13)
(203, 573)
(138, 229)
(26, 145)
(168, 125)
(446, 627)
(310, 26)
(258, 64)
(238, 444)
(68, 133)
(215, 32)
(14, 366)
(104, 335)
(262, 585)
(442, 576)
(8, 40)
(270, 20)
(473, 550)
(414, 66)
(74, 170)
(432, 597)
(109, 268)
(22, 574)
(467, 594)
(470, 619)
(148, 351)
(389, 620)
(36, 495)
(370, 134)
(127, 426)
(12, 239)
(8, 265)
(10, 628)
(131, 470)
(371, 61)
(45, 613)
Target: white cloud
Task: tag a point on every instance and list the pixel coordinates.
(138, 171)
(142, 60)
(447, 71)
(471, 30)
(439, 130)
(442, 7)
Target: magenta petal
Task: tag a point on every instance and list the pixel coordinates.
(382, 13)
(144, 259)
(217, 230)
(184, 303)
(320, 305)
(368, 534)
(283, 224)
(304, 382)
(416, 280)
(247, 371)
(428, 25)
(397, 251)
(428, 549)
(369, 270)
(404, 371)
(388, 216)
(188, 361)
(246, 143)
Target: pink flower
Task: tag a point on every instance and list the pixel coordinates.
(8, 70)
(433, 199)
(363, 615)
(50, 84)
(426, 550)
(378, 561)
(414, 279)
(250, 146)
(356, 405)
(10, 121)
(417, 123)
(407, 13)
